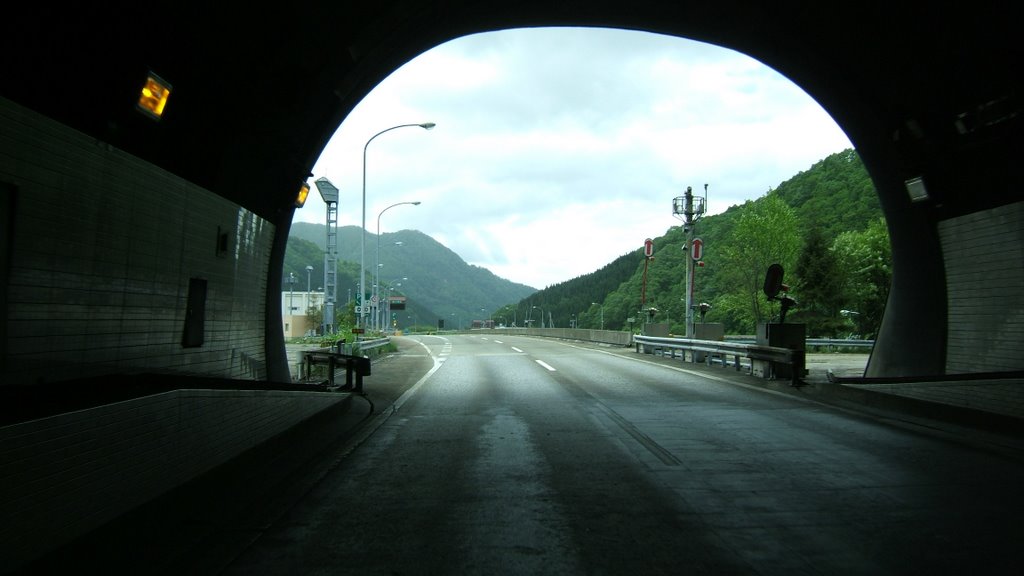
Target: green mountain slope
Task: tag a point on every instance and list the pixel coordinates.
(437, 282)
(833, 197)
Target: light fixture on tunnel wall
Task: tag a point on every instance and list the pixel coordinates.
(300, 199)
(916, 189)
(153, 96)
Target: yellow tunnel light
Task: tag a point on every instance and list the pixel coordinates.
(303, 193)
(153, 97)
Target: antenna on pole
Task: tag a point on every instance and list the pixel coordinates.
(689, 209)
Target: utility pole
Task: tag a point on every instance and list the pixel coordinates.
(689, 209)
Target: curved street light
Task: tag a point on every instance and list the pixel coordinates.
(376, 282)
(362, 242)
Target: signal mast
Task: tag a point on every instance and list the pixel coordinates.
(690, 209)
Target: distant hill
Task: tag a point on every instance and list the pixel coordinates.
(438, 283)
(835, 195)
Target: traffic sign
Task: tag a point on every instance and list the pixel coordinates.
(648, 248)
(697, 249)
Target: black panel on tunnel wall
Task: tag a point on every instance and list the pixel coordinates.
(195, 314)
(7, 198)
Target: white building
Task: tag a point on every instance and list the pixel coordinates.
(294, 307)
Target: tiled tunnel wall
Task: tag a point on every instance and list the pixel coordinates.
(102, 248)
(984, 265)
(99, 255)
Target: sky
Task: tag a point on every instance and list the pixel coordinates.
(557, 150)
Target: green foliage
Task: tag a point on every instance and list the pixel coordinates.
(765, 234)
(866, 258)
(834, 194)
(833, 206)
(821, 287)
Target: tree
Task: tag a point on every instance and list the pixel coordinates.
(316, 318)
(866, 258)
(819, 286)
(765, 233)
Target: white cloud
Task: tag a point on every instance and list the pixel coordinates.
(558, 150)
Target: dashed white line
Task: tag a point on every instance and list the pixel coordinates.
(516, 349)
(546, 365)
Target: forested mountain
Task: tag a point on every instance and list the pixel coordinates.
(437, 282)
(825, 227)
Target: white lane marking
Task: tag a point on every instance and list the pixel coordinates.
(415, 387)
(498, 342)
(546, 365)
(386, 413)
(517, 349)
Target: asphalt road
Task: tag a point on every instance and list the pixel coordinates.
(510, 455)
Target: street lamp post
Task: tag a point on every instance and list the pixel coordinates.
(362, 243)
(376, 314)
(309, 283)
(291, 293)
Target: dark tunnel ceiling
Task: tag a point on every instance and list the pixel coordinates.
(257, 94)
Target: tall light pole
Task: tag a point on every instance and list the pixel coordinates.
(376, 283)
(309, 284)
(291, 293)
(329, 192)
(362, 243)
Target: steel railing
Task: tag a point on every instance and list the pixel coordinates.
(795, 360)
(819, 342)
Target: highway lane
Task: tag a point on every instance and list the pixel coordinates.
(517, 455)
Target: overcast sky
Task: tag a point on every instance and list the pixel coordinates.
(558, 150)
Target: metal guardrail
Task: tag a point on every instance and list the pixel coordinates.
(794, 359)
(342, 356)
(820, 342)
(375, 343)
(357, 366)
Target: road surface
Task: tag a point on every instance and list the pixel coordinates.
(516, 455)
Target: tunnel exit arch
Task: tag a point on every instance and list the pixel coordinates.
(892, 138)
(581, 145)
(926, 93)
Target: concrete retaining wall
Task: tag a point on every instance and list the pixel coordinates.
(65, 475)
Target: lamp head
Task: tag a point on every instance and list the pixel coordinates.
(328, 191)
(427, 125)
